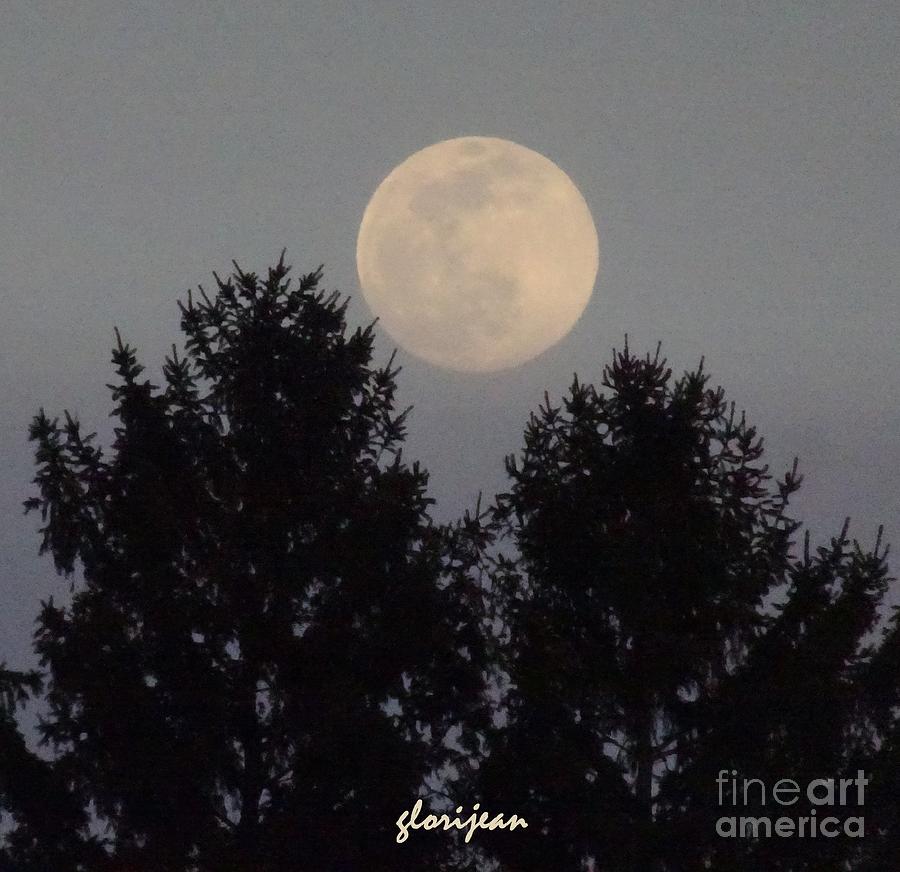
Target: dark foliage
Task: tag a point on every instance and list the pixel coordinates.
(48, 824)
(272, 651)
(659, 628)
(272, 641)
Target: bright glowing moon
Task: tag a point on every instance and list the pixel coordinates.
(477, 254)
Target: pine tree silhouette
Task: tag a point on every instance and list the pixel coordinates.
(272, 639)
(658, 628)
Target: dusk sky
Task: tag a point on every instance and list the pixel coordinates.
(740, 161)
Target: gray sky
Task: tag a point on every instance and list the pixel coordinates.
(740, 160)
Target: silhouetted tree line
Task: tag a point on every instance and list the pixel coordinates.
(272, 650)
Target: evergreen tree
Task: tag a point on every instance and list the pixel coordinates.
(657, 628)
(273, 647)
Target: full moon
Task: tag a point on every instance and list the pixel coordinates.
(477, 254)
